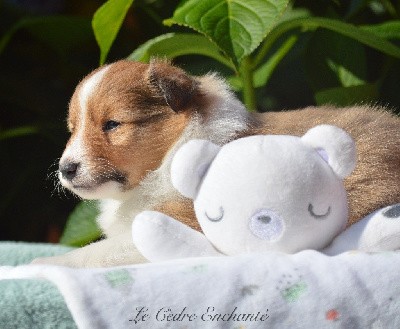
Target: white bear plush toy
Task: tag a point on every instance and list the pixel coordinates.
(255, 194)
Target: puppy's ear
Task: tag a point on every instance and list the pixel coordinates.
(190, 165)
(172, 83)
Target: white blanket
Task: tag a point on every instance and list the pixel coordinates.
(274, 290)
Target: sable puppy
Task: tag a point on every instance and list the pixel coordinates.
(127, 119)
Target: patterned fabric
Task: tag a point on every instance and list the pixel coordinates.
(270, 290)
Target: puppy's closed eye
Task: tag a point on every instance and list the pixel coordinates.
(110, 125)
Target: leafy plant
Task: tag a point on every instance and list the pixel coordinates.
(81, 227)
(243, 35)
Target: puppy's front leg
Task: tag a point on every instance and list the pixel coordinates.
(115, 251)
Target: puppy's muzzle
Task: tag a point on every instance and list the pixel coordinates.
(69, 169)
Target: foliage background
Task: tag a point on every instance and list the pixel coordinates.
(47, 46)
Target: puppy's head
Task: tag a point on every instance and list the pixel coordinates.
(123, 119)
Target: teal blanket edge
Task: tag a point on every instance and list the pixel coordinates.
(31, 303)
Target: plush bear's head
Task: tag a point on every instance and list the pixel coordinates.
(268, 192)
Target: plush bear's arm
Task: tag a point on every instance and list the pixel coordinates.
(378, 231)
(159, 237)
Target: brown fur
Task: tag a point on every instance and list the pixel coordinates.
(182, 210)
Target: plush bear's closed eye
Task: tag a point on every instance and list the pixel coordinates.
(318, 216)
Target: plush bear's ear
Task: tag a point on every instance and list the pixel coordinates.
(190, 164)
(172, 83)
(335, 146)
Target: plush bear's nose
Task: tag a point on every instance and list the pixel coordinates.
(68, 169)
(265, 224)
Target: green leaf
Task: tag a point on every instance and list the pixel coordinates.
(368, 38)
(59, 32)
(328, 65)
(288, 15)
(294, 13)
(106, 23)
(345, 96)
(18, 132)
(357, 33)
(388, 30)
(236, 26)
(81, 227)
(173, 45)
(262, 75)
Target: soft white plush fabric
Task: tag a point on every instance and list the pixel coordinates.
(270, 290)
(378, 231)
(164, 236)
(257, 193)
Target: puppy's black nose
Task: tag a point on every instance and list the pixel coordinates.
(68, 170)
